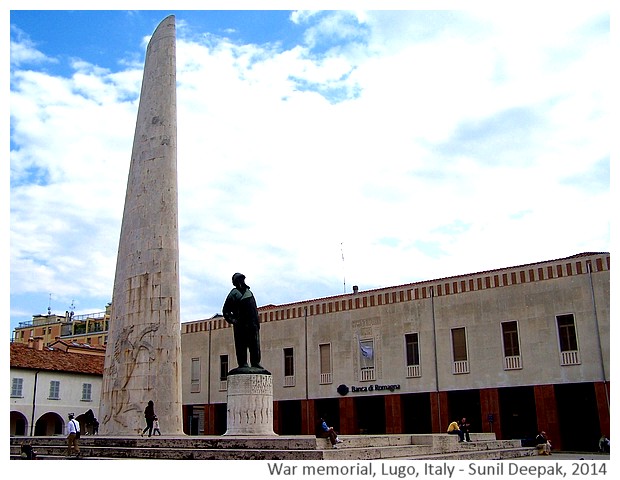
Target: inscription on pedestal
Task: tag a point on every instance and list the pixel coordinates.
(262, 385)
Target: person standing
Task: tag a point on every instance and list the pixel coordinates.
(73, 434)
(241, 312)
(149, 416)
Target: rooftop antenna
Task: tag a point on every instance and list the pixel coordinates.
(49, 306)
(344, 280)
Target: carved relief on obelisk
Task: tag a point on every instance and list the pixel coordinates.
(143, 357)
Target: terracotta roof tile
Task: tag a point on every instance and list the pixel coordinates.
(22, 356)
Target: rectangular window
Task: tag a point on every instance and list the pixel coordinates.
(54, 390)
(459, 351)
(459, 344)
(412, 352)
(223, 372)
(87, 392)
(223, 367)
(289, 368)
(567, 332)
(413, 349)
(511, 339)
(17, 387)
(325, 360)
(289, 365)
(195, 375)
(567, 336)
(367, 360)
(512, 355)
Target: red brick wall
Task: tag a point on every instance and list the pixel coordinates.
(547, 414)
(489, 404)
(603, 400)
(394, 422)
(308, 417)
(439, 412)
(348, 416)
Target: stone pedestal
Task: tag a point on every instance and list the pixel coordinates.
(250, 405)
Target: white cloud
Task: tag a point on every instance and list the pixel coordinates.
(429, 152)
(25, 51)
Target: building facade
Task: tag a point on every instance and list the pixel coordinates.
(91, 329)
(515, 350)
(49, 382)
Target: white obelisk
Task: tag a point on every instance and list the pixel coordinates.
(143, 357)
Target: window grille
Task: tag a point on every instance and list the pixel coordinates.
(413, 371)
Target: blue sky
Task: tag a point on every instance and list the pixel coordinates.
(412, 144)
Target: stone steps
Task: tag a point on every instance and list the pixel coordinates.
(427, 446)
(294, 447)
(491, 454)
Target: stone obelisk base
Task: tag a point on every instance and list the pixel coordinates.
(250, 405)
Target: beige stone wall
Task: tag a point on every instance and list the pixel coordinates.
(532, 295)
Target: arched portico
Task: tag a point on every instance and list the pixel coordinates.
(19, 424)
(49, 423)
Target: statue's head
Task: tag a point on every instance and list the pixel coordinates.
(237, 279)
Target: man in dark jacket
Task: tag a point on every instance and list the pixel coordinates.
(241, 312)
(149, 416)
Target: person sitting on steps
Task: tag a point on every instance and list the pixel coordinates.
(464, 427)
(453, 429)
(328, 432)
(543, 444)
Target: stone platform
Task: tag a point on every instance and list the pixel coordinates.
(484, 446)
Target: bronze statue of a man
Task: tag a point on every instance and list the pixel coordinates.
(241, 312)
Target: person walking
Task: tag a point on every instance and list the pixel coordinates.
(73, 434)
(156, 430)
(149, 416)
